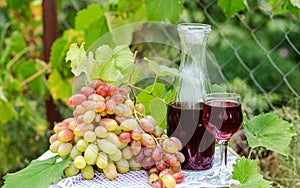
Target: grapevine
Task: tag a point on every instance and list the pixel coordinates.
(110, 133)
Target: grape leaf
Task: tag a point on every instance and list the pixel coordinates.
(93, 22)
(114, 65)
(56, 83)
(161, 70)
(160, 10)
(231, 7)
(296, 3)
(40, 173)
(269, 131)
(7, 109)
(158, 110)
(246, 172)
(145, 98)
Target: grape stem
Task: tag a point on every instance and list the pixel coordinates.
(250, 152)
(233, 152)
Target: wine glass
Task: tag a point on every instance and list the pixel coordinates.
(222, 117)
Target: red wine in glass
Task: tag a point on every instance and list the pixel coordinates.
(222, 118)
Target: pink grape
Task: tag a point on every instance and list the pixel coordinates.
(52, 138)
(118, 98)
(148, 151)
(103, 91)
(113, 90)
(110, 107)
(139, 157)
(87, 91)
(147, 125)
(148, 162)
(147, 140)
(136, 133)
(100, 106)
(157, 153)
(136, 147)
(76, 99)
(65, 135)
(59, 127)
(179, 177)
(160, 165)
(123, 91)
(96, 83)
(125, 137)
(88, 105)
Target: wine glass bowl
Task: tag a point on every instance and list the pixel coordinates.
(222, 117)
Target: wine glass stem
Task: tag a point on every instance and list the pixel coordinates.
(223, 152)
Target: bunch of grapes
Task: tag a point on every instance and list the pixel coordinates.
(112, 134)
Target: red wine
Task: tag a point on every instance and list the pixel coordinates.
(199, 144)
(222, 118)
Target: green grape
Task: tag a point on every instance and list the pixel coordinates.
(88, 172)
(116, 156)
(133, 165)
(118, 130)
(89, 136)
(107, 146)
(52, 138)
(74, 153)
(54, 146)
(126, 153)
(91, 154)
(147, 125)
(113, 138)
(88, 105)
(82, 128)
(98, 118)
(152, 178)
(177, 141)
(110, 171)
(64, 149)
(169, 181)
(122, 166)
(96, 98)
(71, 170)
(100, 132)
(128, 124)
(81, 145)
(170, 146)
(140, 108)
(89, 116)
(79, 162)
(109, 124)
(102, 160)
(130, 104)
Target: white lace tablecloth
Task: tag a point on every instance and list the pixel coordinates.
(137, 179)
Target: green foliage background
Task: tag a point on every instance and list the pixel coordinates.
(24, 88)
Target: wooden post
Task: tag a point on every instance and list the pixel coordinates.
(50, 34)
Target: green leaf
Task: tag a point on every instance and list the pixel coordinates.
(246, 172)
(114, 65)
(295, 3)
(161, 70)
(37, 174)
(145, 97)
(158, 110)
(160, 10)
(93, 22)
(13, 4)
(60, 88)
(269, 131)
(231, 7)
(60, 48)
(78, 58)
(7, 109)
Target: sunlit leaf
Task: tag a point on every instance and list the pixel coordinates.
(246, 172)
(161, 10)
(93, 22)
(37, 174)
(158, 109)
(161, 70)
(7, 109)
(269, 131)
(145, 97)
(59, 87)
(231, 7)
